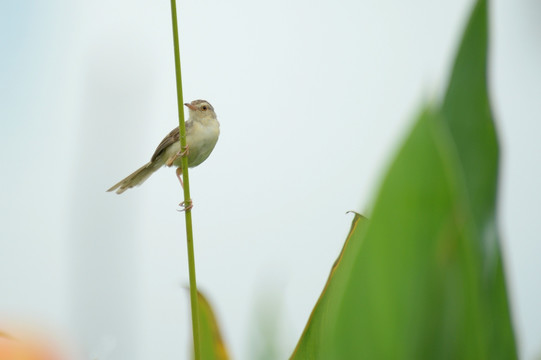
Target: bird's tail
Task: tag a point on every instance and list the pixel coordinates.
(136, 178)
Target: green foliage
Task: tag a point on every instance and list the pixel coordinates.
(468, 118)
(315, 342)
(212, 345)
(424, 277)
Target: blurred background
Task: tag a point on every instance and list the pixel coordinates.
(313, 98)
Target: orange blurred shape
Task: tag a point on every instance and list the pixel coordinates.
(16, 349)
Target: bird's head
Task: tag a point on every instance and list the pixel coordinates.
(200, 110)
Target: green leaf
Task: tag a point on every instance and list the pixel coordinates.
(423, 279)
(414, 289)
(467, 115)
(315, 338)
(405, 285)
(212, 345)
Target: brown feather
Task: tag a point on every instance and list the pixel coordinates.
(171, 138)
(136, 178)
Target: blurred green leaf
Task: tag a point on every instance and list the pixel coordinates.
(467, 115)
(315, 337)
(414, 289)
(424, 278)
(212, 345)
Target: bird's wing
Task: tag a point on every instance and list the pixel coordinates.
(167, 141)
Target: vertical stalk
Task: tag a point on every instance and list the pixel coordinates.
(187, 198)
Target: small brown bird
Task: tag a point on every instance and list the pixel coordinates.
(202, 131)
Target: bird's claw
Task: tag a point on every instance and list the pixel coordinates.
(185, 151)
(186, 205)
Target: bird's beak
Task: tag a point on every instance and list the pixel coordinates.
(190, 106)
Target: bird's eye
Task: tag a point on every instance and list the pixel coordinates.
(204, 107)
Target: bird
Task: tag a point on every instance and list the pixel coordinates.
(202, 132)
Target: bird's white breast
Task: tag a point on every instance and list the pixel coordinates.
(201, 139)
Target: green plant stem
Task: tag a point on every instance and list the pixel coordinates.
(187, 198)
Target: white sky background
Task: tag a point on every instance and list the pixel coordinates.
(312, 98)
